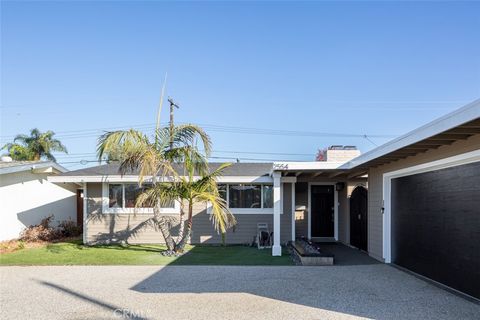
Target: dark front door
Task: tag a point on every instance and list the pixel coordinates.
(358, 218)
(322, 219)
(80, 207)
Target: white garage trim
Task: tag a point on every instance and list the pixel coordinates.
(461, 159)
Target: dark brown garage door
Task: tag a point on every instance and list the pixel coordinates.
(436, 226)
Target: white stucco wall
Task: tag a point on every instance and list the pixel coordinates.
(26, 198)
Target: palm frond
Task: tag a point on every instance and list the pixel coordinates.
(209, 181)
(120, 142)
(160, 194)
(221, 217)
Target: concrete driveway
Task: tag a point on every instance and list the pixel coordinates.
(196, 292)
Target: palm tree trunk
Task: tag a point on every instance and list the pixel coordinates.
(188, 230)
(181, 229)
(164, 229)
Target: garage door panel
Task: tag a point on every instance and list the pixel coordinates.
(435, 225)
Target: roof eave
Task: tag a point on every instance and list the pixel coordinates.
(56, 168)
(456, 118)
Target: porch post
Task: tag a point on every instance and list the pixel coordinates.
(85, 212)
(293, 211)
(276, 249)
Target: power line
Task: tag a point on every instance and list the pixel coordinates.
(84, 162)
(215, 128)
(79, 155)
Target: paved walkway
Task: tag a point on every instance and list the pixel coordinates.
(195, 292)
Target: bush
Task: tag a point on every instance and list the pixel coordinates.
(41, 232)
(69, 228)
(45, 232)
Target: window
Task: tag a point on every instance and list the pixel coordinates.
(122, 198)
(132, 191)
(247, 196)
(222, 190)
(267, 196)
(244, 196)
(115, 196)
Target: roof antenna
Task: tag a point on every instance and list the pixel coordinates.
(370, 140)
(160, 108)
(172, 104)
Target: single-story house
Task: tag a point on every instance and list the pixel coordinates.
(27, 197)
(413, 202)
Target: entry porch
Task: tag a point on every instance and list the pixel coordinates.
(324, 203)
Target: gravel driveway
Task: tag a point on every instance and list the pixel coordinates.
(196, 292)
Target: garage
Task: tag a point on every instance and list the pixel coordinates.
(435, 225)
(423, 204)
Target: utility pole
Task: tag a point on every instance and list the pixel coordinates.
(172, 104)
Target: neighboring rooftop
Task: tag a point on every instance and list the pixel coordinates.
(36, 166)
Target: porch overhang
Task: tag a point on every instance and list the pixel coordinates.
(314, 170)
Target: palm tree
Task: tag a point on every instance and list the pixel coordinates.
(170, 148)
(189, 190)
(35, 146)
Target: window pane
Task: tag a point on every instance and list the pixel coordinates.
(169, 205)
(244, 196)
(222, 190)
(131, 193)
(115, 196)
(268, 196)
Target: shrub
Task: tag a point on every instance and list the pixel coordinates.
(41, 232)
(45, 232)
(20, 245)
(69, 228)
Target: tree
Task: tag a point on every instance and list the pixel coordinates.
(321, 155)
(171, 149)
(189, 191)
(35, 146)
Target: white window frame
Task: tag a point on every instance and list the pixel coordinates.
(107, 210)
(461, 159)
(246, 210)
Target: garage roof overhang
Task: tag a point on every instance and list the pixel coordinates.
(458, 125)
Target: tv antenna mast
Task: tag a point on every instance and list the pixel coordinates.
(172, 105)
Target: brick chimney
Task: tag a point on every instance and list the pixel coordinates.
(342, 153)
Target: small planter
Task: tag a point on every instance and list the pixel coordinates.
(310, 255)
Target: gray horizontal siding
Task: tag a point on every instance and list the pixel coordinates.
(138, 229)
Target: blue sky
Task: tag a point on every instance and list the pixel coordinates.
(342, 68)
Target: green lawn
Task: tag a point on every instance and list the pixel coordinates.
(74, 253)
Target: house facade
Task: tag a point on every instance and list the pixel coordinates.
(413, 202)
(249, 189)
